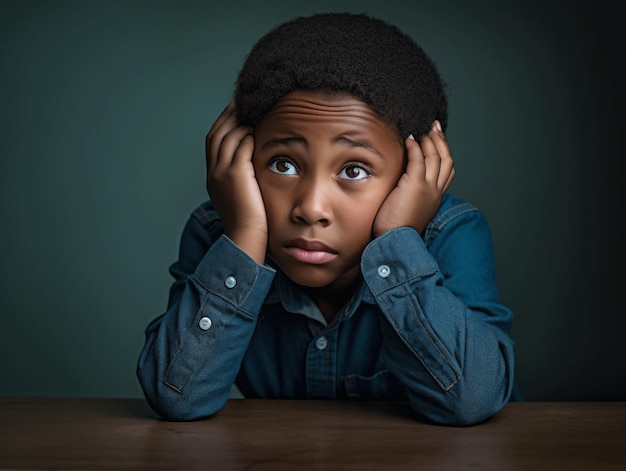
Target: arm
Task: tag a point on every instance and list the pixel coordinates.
(193, 352)
(188, 363)
(445, 334)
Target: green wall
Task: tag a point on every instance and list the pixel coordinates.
(104, 109)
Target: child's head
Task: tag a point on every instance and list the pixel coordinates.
(342, 52)
(332, 98)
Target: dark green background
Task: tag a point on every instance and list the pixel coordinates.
(104, 109)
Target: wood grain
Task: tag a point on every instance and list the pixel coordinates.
(109, 434)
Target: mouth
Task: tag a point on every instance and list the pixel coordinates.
(310, 251)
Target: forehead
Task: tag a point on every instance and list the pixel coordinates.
(339, 109)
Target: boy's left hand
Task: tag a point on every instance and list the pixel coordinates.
(416, 198)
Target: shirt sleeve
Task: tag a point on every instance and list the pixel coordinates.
(445, 334)
(192, 352)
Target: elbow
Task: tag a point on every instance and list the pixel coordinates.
(461, 406)
(472, 409)
(174, 406)
(178, 405)
(480, 392)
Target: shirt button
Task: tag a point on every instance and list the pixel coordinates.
(205, 323)
(384, 271)
(321, 343)
(230, 282)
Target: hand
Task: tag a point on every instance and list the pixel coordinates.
(232, 186)
(416, 198)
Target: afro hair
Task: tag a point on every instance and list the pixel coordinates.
(343, 52)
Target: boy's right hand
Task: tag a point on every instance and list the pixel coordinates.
(232, 186)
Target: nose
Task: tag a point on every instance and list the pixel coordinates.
(312, 204)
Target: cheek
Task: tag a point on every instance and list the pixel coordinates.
(358, 214)
(364, 210)
(275, 203)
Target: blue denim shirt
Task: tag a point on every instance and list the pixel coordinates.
(425, 326)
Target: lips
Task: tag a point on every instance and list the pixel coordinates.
(310, 251)
(312, 245)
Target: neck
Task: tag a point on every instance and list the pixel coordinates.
(330, 299)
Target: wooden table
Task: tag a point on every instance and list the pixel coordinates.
(109, 434)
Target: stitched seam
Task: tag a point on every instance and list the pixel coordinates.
(180, 350)
(414, 307)
(410, 347)
(445, 218)
(450, 214)
(403, 281)
(205, 213)
(237, 306)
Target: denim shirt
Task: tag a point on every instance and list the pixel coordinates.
(424, 326)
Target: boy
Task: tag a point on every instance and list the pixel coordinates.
(330, 261)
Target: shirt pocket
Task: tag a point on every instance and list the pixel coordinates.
(381, 386)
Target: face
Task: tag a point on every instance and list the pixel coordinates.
(325, 164)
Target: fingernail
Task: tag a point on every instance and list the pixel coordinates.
(437, 125)
(411, 136)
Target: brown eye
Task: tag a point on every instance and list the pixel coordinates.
(283, 166)
(354, 172)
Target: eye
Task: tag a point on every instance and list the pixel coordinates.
(355, 172)
(283, 166)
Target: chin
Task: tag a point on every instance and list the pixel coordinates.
(309, 281)
(308, 276)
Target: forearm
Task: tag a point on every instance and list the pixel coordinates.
(453, 358)
(193, 352)
(457, 375)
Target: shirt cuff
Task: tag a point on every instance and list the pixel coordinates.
(230, 273)
(394, 258)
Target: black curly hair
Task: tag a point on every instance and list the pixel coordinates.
(344, 52)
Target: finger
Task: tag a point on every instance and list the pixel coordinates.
(449, 180)
(226, 122)
(228, 147)
(432, 160)
(415, 158)
(220, 168)
(245, 149)
(226, 112)
(447, 162)
(446, 171)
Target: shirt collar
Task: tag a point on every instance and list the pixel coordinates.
(294, 300)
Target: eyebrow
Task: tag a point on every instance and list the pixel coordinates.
(362, 143)
(283, 141)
